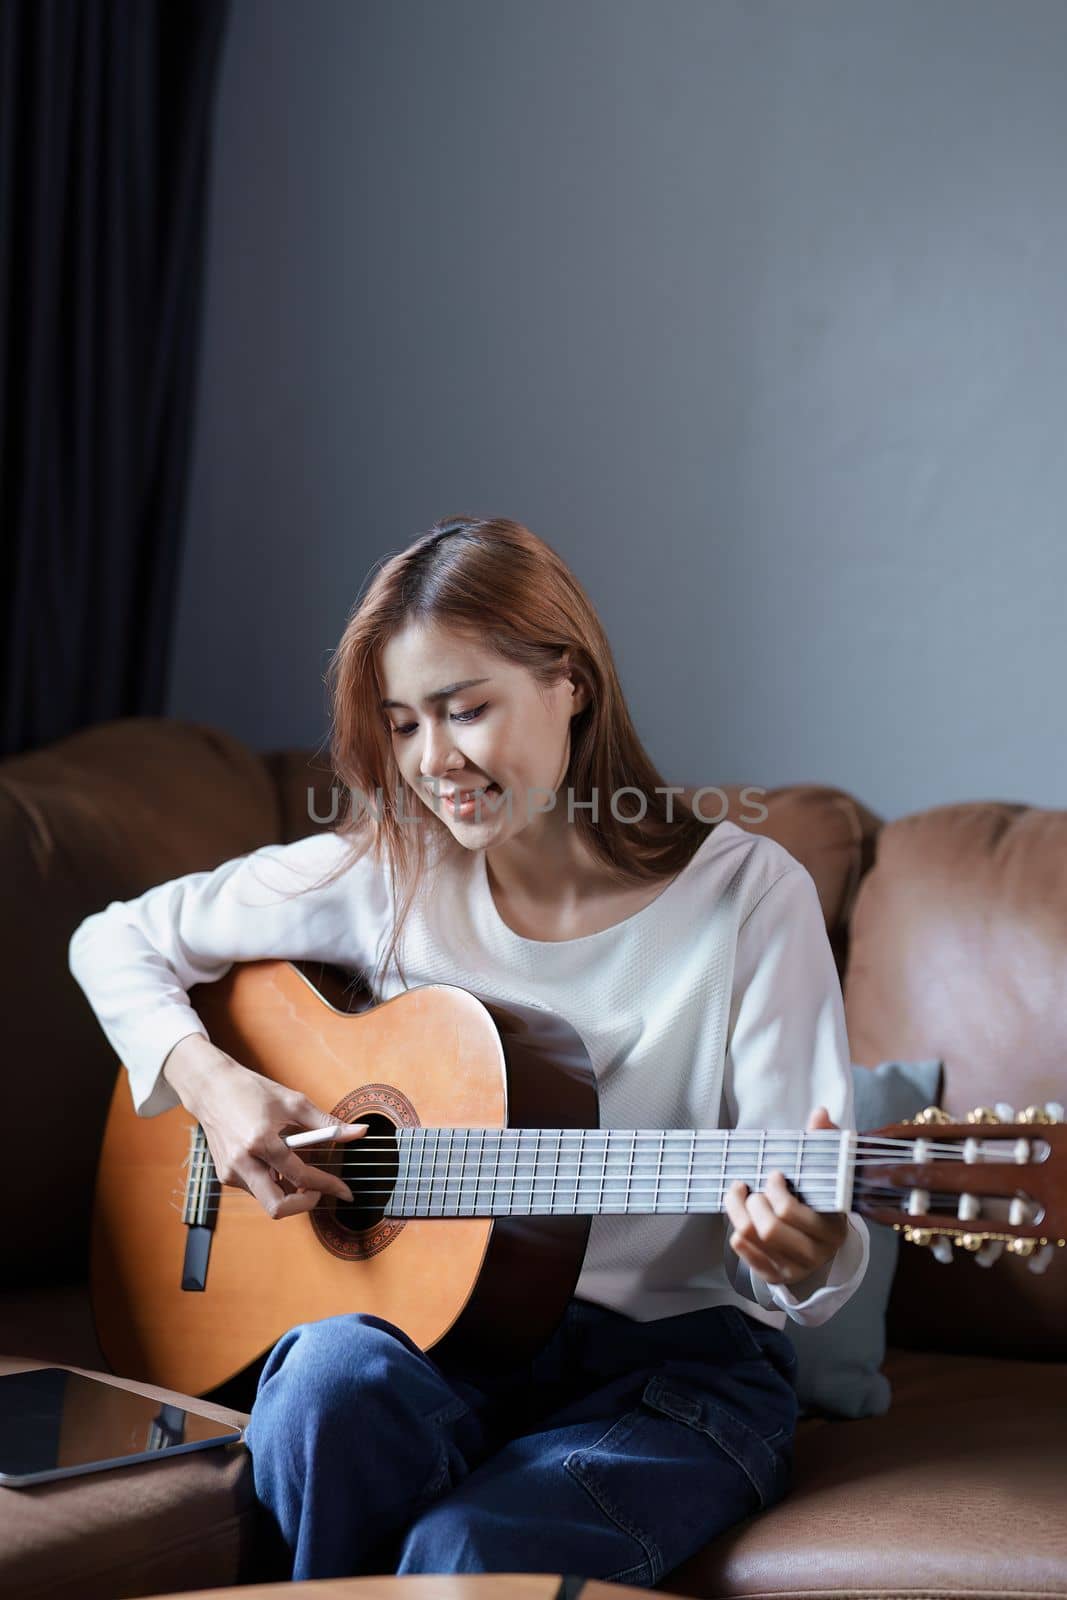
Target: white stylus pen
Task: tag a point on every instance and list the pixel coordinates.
(334, 1130)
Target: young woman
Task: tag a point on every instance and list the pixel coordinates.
(693, 960)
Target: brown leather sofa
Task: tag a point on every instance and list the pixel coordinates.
(950, 932)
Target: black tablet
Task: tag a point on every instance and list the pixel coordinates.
(56, 1424)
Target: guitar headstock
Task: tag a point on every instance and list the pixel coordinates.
(996, 1181)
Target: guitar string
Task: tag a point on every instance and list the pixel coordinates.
(424, 1191)
(563, 1180)
(612, 1209)
(870, 1151)
(702, 1190)
(356, 1171)
(481, 1173)
(820, 1136)
(655, 1193)
(649, 1205)
(450, 1189)
(362, 1173)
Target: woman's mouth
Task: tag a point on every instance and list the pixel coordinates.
(463, 803)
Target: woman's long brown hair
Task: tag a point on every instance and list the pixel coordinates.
(499, 584)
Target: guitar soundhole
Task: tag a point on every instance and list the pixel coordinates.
(369, 1169)
(369, 1166)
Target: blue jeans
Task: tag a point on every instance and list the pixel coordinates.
(616, 1453)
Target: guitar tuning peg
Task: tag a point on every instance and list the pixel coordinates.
(1023, 1247)
(989, 1252)
(931, 1114)
(1039, 1261)
(982, 1114)
(1054, 1110)
(1034, 1114)
(1004, 1111)
(941, 1249)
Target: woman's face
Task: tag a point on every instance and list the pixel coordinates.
(500, 734)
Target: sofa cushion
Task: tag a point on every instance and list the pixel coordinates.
(98, 816)
(823, 828)
(839, 1364)
(957, 1491)
(310, 796)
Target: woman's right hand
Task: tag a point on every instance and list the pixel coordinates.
(244, 1115)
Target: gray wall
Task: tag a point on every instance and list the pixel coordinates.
(756, 311)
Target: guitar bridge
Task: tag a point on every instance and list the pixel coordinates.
(199, 1212)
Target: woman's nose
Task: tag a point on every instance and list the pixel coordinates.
(436, 753)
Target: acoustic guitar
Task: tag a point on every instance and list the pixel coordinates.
(476, 1182)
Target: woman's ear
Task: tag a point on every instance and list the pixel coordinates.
(581, 694)
(579, 687)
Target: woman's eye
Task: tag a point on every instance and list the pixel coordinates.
(469, 716)
(457, 716)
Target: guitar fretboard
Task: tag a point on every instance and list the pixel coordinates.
(493, 1172)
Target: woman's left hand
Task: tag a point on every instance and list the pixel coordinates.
(775, 1233)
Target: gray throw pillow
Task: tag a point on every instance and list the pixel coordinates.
(839, 1364)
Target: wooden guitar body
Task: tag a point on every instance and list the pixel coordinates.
(487, 1288)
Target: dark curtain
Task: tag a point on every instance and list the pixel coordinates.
(105, 124)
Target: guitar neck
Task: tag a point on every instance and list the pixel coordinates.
(465, 1172)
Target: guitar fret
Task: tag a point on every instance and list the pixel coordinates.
(427, 1193)
(572, 1205)
(433, 1172)
(519, 1205)
(499, 1177)
(585, 1178)
(618, 1174)
(395, 1205)
(536, 1175)
(442, 1192)
(576, 1156)
(481, 1205)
